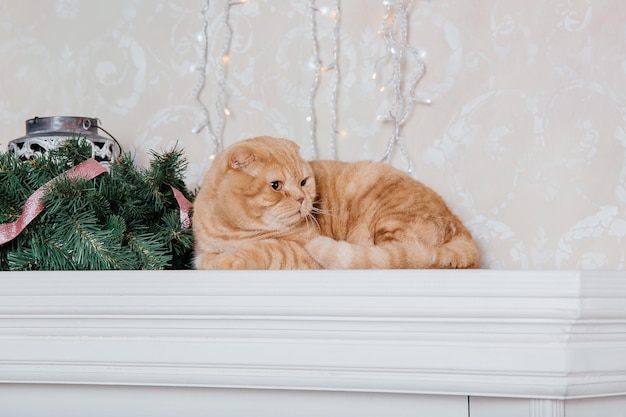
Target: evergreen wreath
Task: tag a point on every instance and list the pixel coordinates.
(126, 219)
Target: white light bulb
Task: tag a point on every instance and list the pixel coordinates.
(200, 126)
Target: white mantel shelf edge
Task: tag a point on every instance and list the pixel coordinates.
(518, 334)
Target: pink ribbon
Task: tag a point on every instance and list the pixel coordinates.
(88, 169)
(184, 205)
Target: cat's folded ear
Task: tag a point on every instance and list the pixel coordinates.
(294, 145)
(244, 159)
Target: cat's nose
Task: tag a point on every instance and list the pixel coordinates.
(300, 199)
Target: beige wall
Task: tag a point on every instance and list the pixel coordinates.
(525, 137)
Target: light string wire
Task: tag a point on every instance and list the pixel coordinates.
(316, 63)
(395, 33)
(319, 67)
(202, 68)
(335, 83)
(216, 137)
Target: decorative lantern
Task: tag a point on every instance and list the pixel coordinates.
(46, 133)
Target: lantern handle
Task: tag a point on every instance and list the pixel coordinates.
(98, 125)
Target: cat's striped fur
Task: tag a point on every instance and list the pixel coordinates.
(380, 217)
(323, 214)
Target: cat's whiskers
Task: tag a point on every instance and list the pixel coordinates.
(316, 210)
(313, 220)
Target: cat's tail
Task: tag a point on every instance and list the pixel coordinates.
(460, 252)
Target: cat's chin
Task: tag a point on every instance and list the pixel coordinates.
(294, 220)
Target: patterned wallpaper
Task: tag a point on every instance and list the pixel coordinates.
(525, 136)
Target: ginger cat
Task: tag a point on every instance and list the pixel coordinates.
(261, 206)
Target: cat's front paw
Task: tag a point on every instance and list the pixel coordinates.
(229, 261)
(325, 251)
(319, 244)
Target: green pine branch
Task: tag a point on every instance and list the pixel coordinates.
(127, 219)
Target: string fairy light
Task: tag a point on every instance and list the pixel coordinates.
(403, 81)
(206, 119)
(222, 111)
(316, 64)
(394, 31)
(318, 67)
(335, 83)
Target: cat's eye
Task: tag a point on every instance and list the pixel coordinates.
(276, 185)
(303, 182)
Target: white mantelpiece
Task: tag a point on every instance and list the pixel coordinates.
(542, 343)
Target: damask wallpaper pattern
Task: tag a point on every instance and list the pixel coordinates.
(524, 136)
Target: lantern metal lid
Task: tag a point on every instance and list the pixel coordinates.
(47, 133)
